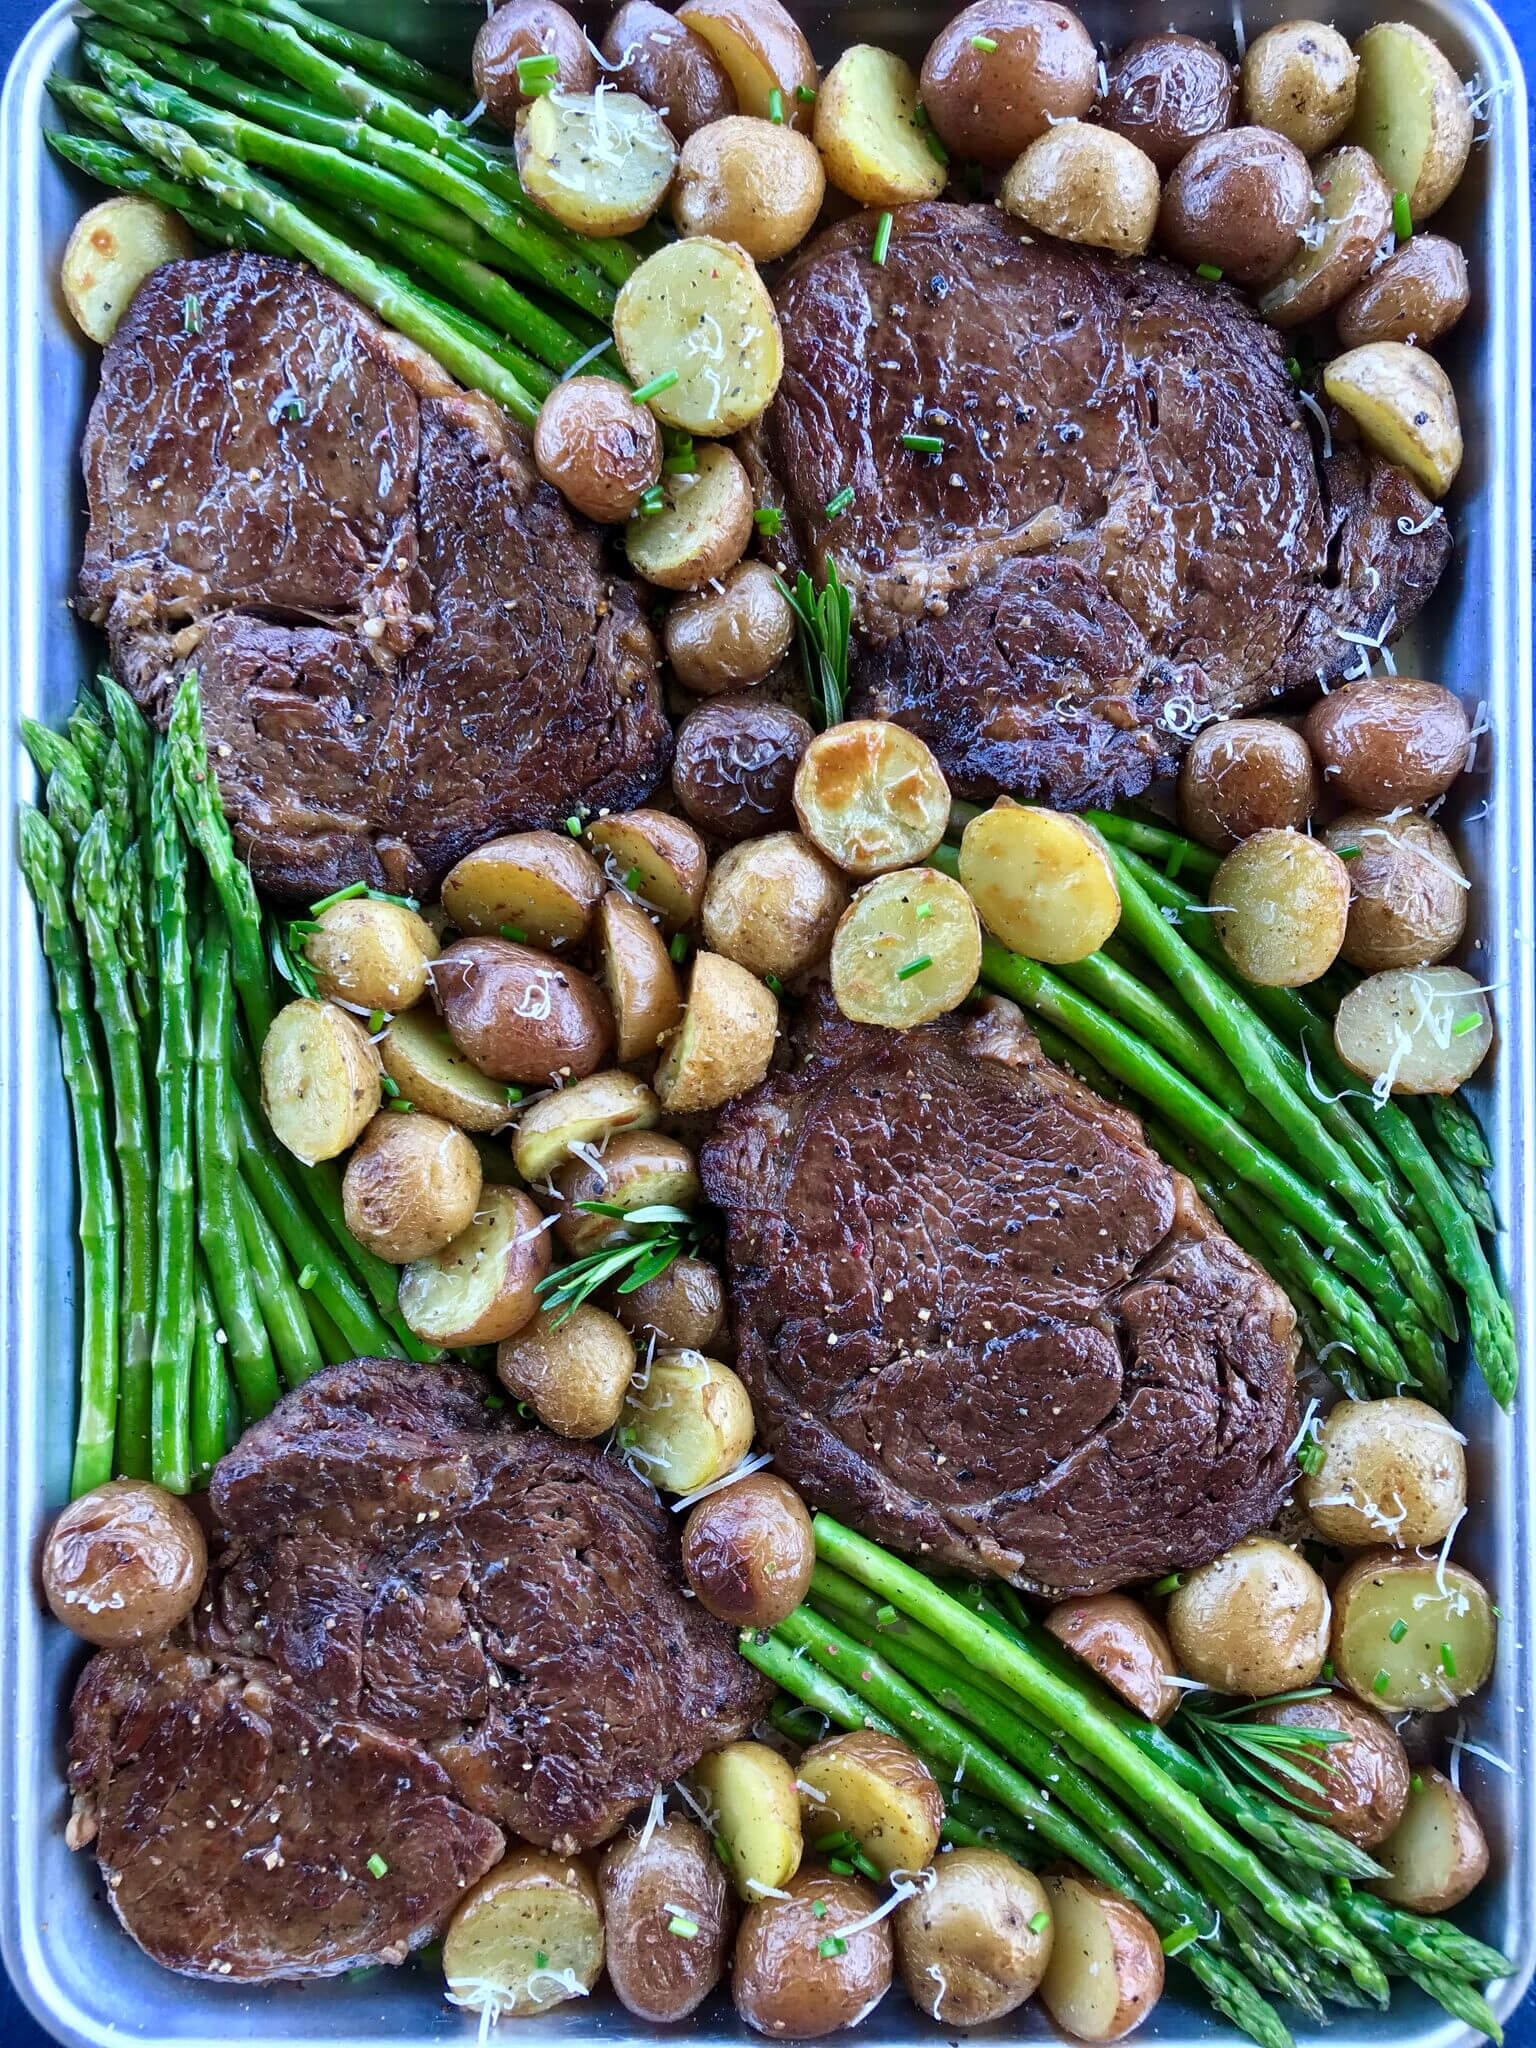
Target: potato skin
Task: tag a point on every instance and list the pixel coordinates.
(1166, 92)
(965, 1947)
(1355, 217)
(773, 904)
(1432, 1883)
(683, 1308)
(667, 65)
(705, 528)
(1284, 901)
(722, 639)
(410, 1187)
(1237, 200)
(638, 978)
(572, 1373)
(528, 28)
(657, 1975)
(635, 1168)
(1299, 79)
(1124, 1645)
(748, 1551)
(124, 1563)
(1087, 185)
(1254, 1620)
(1407, 892)
(599, 449)
(1417, 295)
(521, 1015)
(1362, 1784)
(991, 104)
(1245, 775)
(751, 182)
(1381, 744)
(371, 953)
(781, 1983)
(733, 767)
(1397, 1455)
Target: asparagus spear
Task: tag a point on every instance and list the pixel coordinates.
(1458, 1130)
(45, 866)
(132, 906)
(282, 1303)
(210, 1393)
(366, 53)
(129, 170)
(171, 1342)
(71, 798)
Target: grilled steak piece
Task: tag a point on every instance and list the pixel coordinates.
(983, 1321)
(426, 1631)
(1128, 530)
(405, 642)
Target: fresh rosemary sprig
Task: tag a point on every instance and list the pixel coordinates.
(821, 626)
(654, 1235)
(287, 950)
(1230, 1740)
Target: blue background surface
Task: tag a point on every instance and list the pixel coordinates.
(17, 2029)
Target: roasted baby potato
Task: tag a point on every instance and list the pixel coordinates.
(522, 29)
(1283, 906)
(974, 1945)
(703, 529)
(871, 796)
(433, 1075)
(571, 1366)
(1121, 1642)
(906, 950)
(1164, 92)
(1442, 1652)
(989, 104)
(755, 183)
(371, 954)
(866, 129)
(1415, 1030)
(733, 766)
(667, 1919)
(698, 310)
(124, 1563)
(535, 888)
(1245, 775)
(411, 1185)
(599, 449)
(1403, 404)
(1407, 891)
(519, 1014)
(720, 639)
(528, 1936)
(1437, 1853)
(670, 67)
(1417, 295)
(1236, 202)
(590, 1112)
(689, 1424)
(319, 1079)
(683, 1308)
(1041, 880)
(1254, 1620)
(763, 51)
(1348, 224)
(1362, 1781)
(1105, 1971)
(638, 1170)
(638, 978)
(1392, 1471)
(1412, 114)
(748, 1792)
(748, 1551)
(773, 904)
(1085, 184)
(480, 1288)
(601, 163)
(870, 1785)
(112, 248)
(1299, 79)
(796, 1977)
(725, 1041)
(1388, 744)
(659, 858)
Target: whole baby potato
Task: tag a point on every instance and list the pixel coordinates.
(748, 1552)
(521, 1015)
(373, 954)
(124, 1563)
(1299, 79)
(571, 1367)
(1245, 775)
(1392, 1471)
(1407, 891)
(795, 1977)
(759, 184)
(599, 449)
(1087, 185)
(683, 1308)
(665, 64)
(1282, 905)
(1164, 92)
(667, 1918)
(1387, 743)
(773, 904)
(975, 1944)
(733, 766)
(1362, 1782)
(1417, 295)
(1253, 1621)
(635, 1170)
(720, 639)
(988, 104)
(1237, 202)
(528, 28)
(411, 1185)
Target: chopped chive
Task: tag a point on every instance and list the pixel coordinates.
(682, 1925)
(388, 1083)
(540, 1960)
(920, 115)
(1293, 368)
(834, 1839)
(1381, 1681)
(290, 409)
(1465, 1024)
(924, 444)
(651, 502)
(840, 1865)
(655, 387)
(839, 503)
(1327, 1671)
(768, 519)
(922, 911)
(832, 1945)
(1347, 852)
(882, 240)
(1398, 1630)
(722, 1850)
(914, 967)
(1310, 1456)
(1180, 1939)
(399, 1102)
(1497, 1612)
(1039, 1922)
(1416, 1783)
(684, 459)
(806, 95)
(772, 983)
(1175, 860)
(1209, 271)
(678, 950)
(1402, 216)
(776, 107)
(308, 1277)
(863, 1865)
(633, 877)
(818, 1909)
(1170, 1584)
(536, 75)
(936, 148)
(986, 44)
(1448, 1660)
(191, 314)
(573, 826)
(376, 1022)
(514, 932)
(377, 1867)
(514, 1093)
(494, 1402)
(885, 1616)
(339, 896)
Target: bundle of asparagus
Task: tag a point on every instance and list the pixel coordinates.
(1250, 1895)
(213, 1265)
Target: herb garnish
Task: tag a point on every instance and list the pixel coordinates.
(1230, 1741)
(654, 1234)
(822, 621)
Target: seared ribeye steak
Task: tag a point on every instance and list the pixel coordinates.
(425, 1631)
(406, 642)
(984, 1322)
(1128, 529)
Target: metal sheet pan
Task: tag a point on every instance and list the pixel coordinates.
(79, 1973)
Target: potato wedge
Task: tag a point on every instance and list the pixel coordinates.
(1041, 880)
(703, 530)
(748, 1792)
(725, 1041)
(1404, 405)
(906, 950)
(1118, 1639)
(1437, 1853)
(698, 308)
(637, 1170)
(319, 1079)
(572, 1370)
(872, 1786)
(111, 249)
(529, 1936)
(372, 954)
(536, 888)
(689, 1424)
(659, 858)
(600, 162)
(1442, 1652)
(480, 1288)
(866, 129)
(433, 1075)
(763, 51)
(974, 1945)
(1351, 223)
(411, 1185)
(589, 1112)
(871, 796)
(1392, 1470)
(1412, 113)
(1106, 1968)
(638, 977)
(1415, 1030)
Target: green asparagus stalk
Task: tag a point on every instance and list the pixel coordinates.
(134, 928)
(282, 1303)
(796, 1671)
(1137, 1007)
(71, 798)
(88, 736)
(44, 863)
(1459, 1998)
(1437, 1944)
(129, 170)
(1458, 1130)
(210, 1392)
(171, 1344)
(366, 53)
(333, 1346)
(1273, 1969)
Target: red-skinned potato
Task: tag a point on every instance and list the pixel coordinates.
(521, 29)
(648, 1883)
(990, 104)
(1124, 1645)
(748, 1551)
(124, 1563)
(790, 1981)
(519, 1014)
(599, 449)
(1165, 92)
(669, 67)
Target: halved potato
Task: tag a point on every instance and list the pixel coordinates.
(1118, 1639)
(725, 1041)
(1404, 405)
(748, 1792)
(589, 1112)
(657, 857)
(432, 1074)
(1106, 1968)
(480, 1288)
(572, 1370)
(871, 796)
(1412, 113)
(907, 949)
(704, 528)
(373, 954)
(1041, 880)
(689, 1424)
(600, 162)
(1415, 1030)
(529, 1936)
(319, 1079)
(1410, 1634)
(537, 888)
(1437, 1852)
(866, 129)
(637, 973)
(697, 311)
(872, 1786)
(1351, 222)
(1086, 184)
(111, 249)
(638, 1170)
(763, 51)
